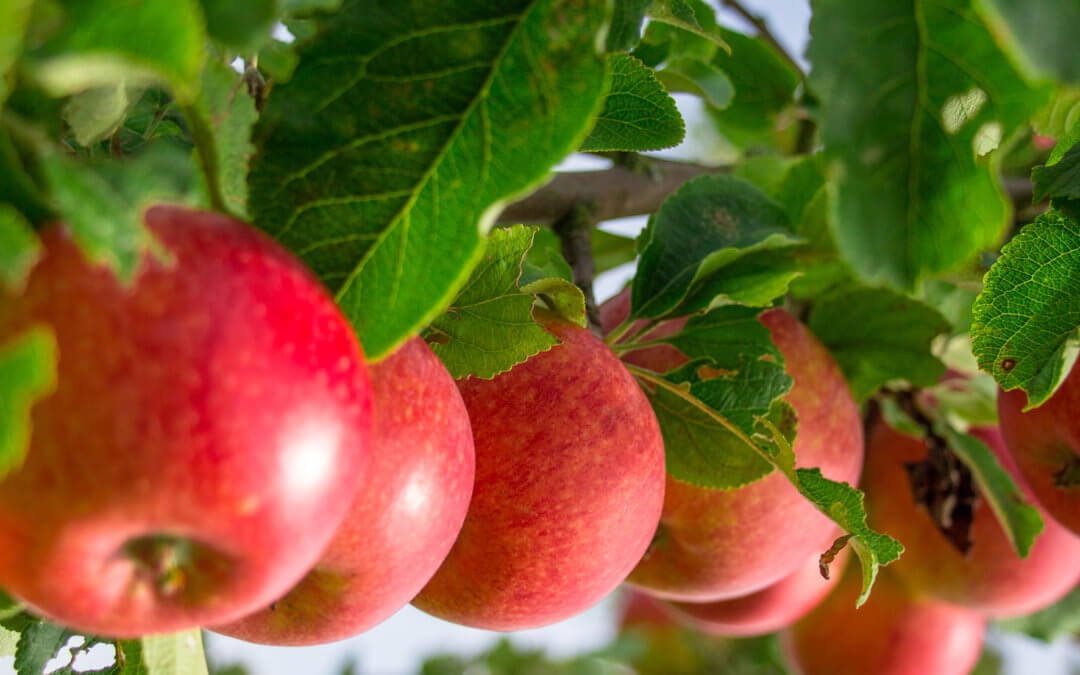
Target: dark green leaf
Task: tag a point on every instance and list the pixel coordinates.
(764, 85)
(1030, 308)
(1039, 35)
(303, 7)
(638, 113)
(102, 41)
(1058, 120)
(707, 225)
(1019, 520)
(39, 643)
(953, 302)
(914, 95)
(17, 187)
(1060, 180)
(404, 129)
(625, 31)
(692, 16)
(488, 328)
(877, 335)
(9, 607)
(27, 374)
(20, 248)
(756, 280)
(243, 25)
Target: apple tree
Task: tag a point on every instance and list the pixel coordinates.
(911, 196)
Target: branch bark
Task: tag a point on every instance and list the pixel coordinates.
(613, 193)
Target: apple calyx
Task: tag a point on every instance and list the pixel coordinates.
(162, 562)
(1068, 476)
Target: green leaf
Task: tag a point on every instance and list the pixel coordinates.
(96, 113)
(9, 641)
(39, 643)
(699, 449)
(611, 250)
(638, 113)
(1058, 121)
(708, 224)
(764, 85)
(9, 607)
(1030, 308)
(304, 7)
(545, 259)
(698, 77)
(107, 226)
(756, 279)
(242, 25)
(102, 41)
(560, 296)
(17, 187)
(488, 328)
(844, 505)
(175, 654)
(14, 17)
(225, 103)
(1060, 180)
(968, 401)
(27, 374)
(1039, 35)
(914, 95)
(952, 301)
(877, 335)
(1062, 619)
(625, 31)
(692, 16)
(20, 248)
(1019, 520)
(405, 129)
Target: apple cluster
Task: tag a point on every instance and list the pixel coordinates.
(218, 453)
(927, 612)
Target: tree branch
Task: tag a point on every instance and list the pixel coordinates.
(575, 233)
(617, 192)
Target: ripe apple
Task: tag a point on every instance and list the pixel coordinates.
(204, 438)
(767, 610)
(569, 485)
(716, 545)
(991, 578)
(1045, 442)
(893, 633)
(405, 518)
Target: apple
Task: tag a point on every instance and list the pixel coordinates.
(203, 441)
(569, 485)
(405, 518)
(1045, 442)
(991, 577)
(767, 610)
(721, 544)
(893, 633)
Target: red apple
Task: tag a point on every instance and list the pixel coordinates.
(569, 485)
(405, 518)
(991, 578)
(204, 439)
(1045, 442)
(893, 633)
(767, 610)
(721, 544)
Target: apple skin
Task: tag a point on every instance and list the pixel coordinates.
(569, 486)
(406, 516)
(893, 633)
(722, 544)
(1045, 440)
(991, 578)
(219, 410)
(767, 610)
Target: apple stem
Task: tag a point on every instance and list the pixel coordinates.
(574, 230)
